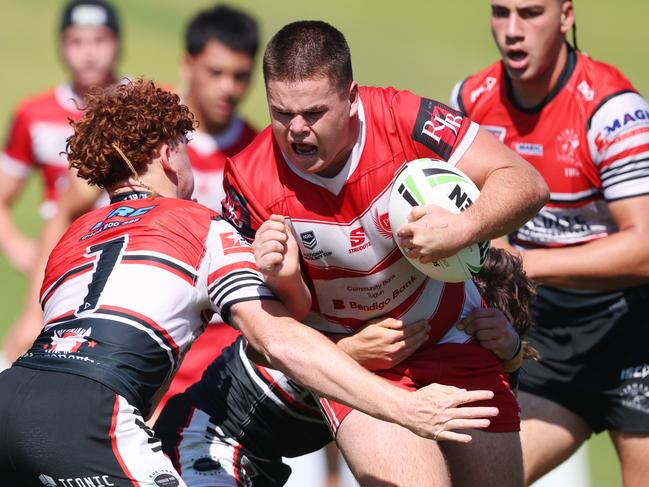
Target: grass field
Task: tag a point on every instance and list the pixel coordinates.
(422, 46)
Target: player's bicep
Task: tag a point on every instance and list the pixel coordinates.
(485, 155)
(631, 213)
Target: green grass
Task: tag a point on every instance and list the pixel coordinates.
(423, 46)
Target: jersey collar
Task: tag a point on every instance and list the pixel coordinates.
(335, 184)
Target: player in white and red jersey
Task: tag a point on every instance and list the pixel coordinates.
(584, 126)
(326, 165)
(129, 287)
(89, 37)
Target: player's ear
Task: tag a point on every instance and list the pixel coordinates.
(567, 16)
(353, 99)
(164, 154)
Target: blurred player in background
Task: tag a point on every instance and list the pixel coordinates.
(220, 46)
(89, 46)
(131, 285)
(584, 126)
(322, 172)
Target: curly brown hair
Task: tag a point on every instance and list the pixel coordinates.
(504, 285)
(136, 117)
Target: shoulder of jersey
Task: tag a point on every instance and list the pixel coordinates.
(596, 81)
(38, 102)
(480, 86)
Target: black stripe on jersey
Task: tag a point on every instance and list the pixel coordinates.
(603, 102)
(224, 312)
(156, 332)
(160, 260)
(225, 293)
(569, 198)
(643, 175)
(626, 168)
(61, 280)
(63, 319)
(230, 275)
(460, 91)
(239, 276)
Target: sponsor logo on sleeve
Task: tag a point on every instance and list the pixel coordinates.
(437, 127)
(233, 242)
(629, 124)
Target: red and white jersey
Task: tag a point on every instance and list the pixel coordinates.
(207, 155)
(37, 138)
(130, 286)
(589, 139)
(353, 265)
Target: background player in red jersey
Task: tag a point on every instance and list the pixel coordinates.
(326, 165)
(220, 47)
(89, 46)
(586, 129)
(129, 287)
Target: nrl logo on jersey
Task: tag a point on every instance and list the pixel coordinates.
(308, 239)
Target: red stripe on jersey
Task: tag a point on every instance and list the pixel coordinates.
(235, 465)
(638, 149)
(161, 265)
(179, 435)
(328, 273)
(62, 317)
(445, 316)
(148, 321)
(113, 440)
(214, 276)
(603, 145)
(274, 386)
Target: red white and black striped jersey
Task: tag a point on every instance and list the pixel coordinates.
(352, 263)
(37, 138)
(589, 139)
(130, 286)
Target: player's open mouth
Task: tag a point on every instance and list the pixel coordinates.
(304, 149)
(517, 59)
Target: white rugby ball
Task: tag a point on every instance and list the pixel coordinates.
(430, 181)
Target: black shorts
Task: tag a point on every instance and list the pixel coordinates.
(64, 430)
(594, 361)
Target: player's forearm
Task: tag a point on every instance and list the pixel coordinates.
(619, 260)
(294, 294)
(11, 238)
(315, 362)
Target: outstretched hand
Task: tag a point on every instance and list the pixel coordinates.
(437, 411)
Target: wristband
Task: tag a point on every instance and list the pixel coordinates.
(519, 346)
